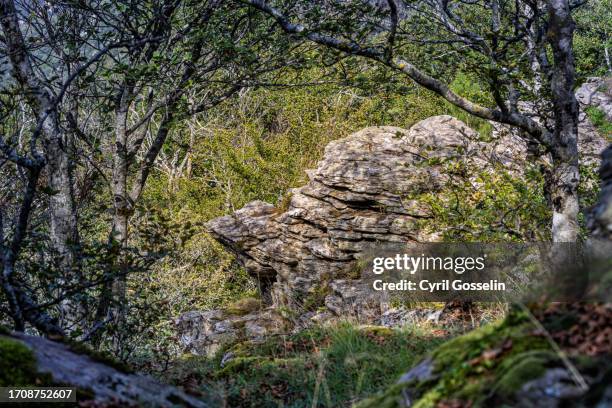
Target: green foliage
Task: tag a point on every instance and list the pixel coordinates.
(467, 86)
(258, 145)
(324, 367)
(487, 205)
(592, 37)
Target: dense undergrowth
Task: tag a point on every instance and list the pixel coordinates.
(319, 367)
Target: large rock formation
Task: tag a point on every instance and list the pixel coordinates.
(359, 195)
(364, 192)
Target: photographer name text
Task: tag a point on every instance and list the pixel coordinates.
(440, 286)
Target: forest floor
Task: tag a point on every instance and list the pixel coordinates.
(349, 365)
(321, 366)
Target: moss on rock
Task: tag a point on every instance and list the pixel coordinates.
(17, 363)
(382, 331)
(244, 306)
(519, 369)
(493, 360)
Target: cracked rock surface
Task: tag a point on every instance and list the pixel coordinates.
(358, 196)
(363, 193)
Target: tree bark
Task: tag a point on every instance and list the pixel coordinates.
(110, 305)
(565, 173)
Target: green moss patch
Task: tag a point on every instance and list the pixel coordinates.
(18, 365)
(519, 369)
(244, 306)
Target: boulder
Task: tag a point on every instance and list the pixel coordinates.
(205, 332)
(42, 362)
(358, 195)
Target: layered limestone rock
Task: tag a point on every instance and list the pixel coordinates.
(204, 332)
(359, 196)
(364, 192)
(597, 92)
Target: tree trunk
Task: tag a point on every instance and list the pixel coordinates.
(63, 220)
(565, 174)
(112, 297)
(62, 208)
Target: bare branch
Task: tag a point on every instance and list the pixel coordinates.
(401, 65)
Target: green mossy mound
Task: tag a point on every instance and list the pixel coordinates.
(521, 368)
(486, 367)
(17, 364)
(473, 367)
